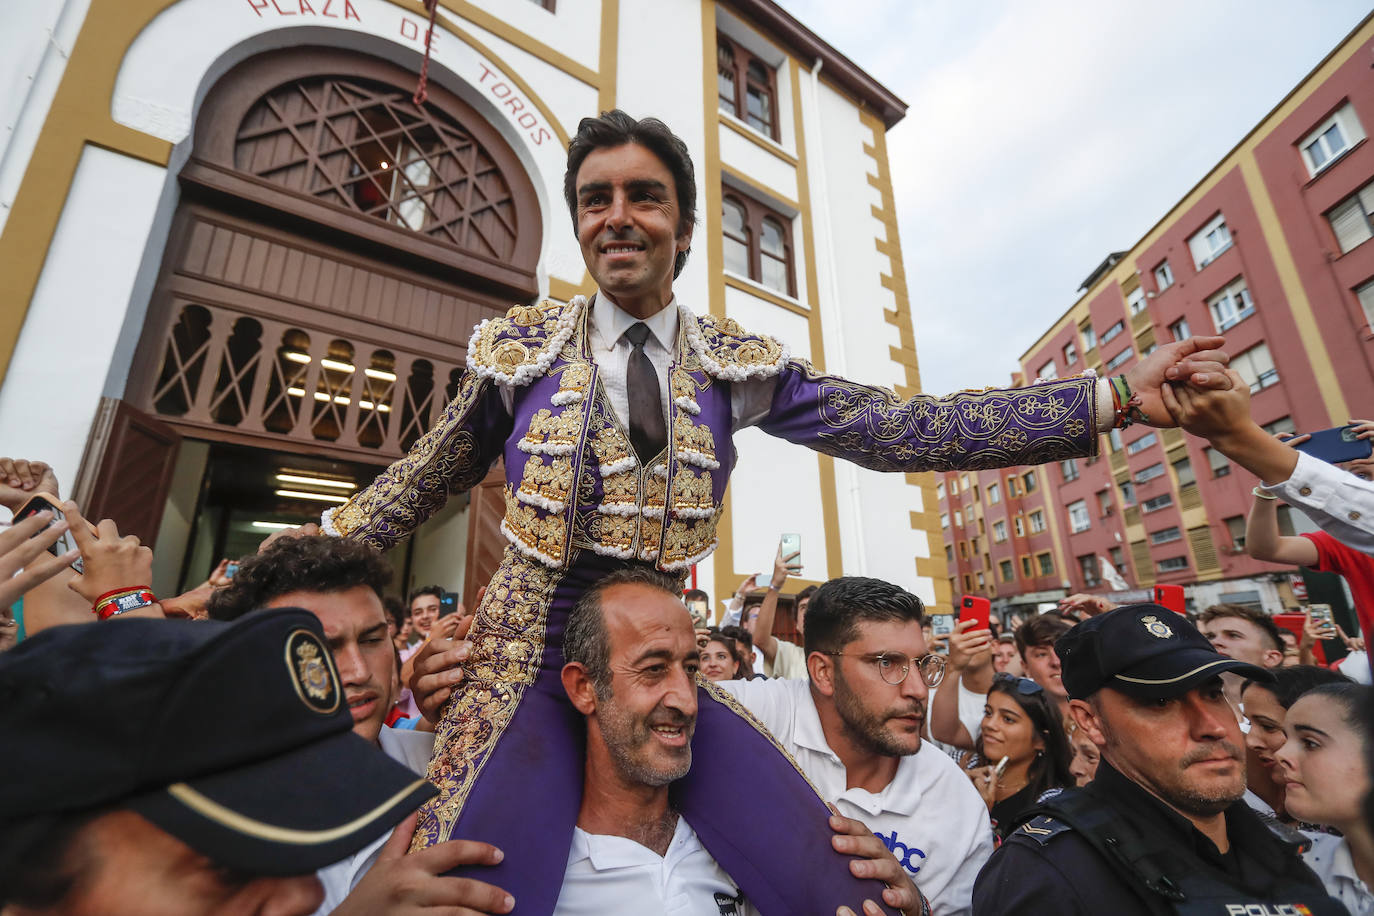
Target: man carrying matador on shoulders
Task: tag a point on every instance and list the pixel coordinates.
(615, 417)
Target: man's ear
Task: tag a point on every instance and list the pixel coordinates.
(1272, 658)
(821, 667)
(577, 683)
(1088, 721)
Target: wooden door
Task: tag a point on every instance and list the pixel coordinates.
(126, 471)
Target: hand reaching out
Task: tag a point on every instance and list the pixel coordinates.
(1197, 361)
(968, 647)
(784, 566)
(111, 561)
(24, 546)
(21, 478)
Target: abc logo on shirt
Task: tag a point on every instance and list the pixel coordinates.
(910, 856)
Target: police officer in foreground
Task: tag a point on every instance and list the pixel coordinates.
(1162, 828)
(169, 768)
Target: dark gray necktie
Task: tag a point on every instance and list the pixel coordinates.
(648, 432)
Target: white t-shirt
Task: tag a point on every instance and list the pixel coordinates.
(1330, 858)
(971, 706)
(930, 815)
(609, 875)
(405, 746)
(789, 662)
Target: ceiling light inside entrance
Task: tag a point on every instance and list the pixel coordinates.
(320, 497)
(317, 481)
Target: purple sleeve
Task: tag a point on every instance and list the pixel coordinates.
(968, 430)
(452, 457)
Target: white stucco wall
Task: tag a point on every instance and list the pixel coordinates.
(54, 383)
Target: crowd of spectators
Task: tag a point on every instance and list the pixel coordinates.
(980, 772)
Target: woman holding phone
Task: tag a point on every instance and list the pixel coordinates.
(1324, 764)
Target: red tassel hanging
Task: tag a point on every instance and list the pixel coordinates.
(422, 90)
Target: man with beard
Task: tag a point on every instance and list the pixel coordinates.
(631, 670)
(854, 727)
(1162, 828)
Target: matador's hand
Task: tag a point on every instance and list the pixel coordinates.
(438, 669)
(1197, 361)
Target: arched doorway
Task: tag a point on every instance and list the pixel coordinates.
(333, 248)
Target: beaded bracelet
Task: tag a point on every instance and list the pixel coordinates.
(1125, 404)
(121, 600)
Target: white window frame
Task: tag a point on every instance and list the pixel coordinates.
(1349, 129)
(944, 519)
(1136, 301)
(1176, 564)
(1149, 473)
(1365, 294)
(1256, 366)
(999, 531)
(1166, 535)
(1070, 354)
(1232, 305)
(1111, 332)
(1139, 445)
(1210, 241)
(1352, 220)
(1155, 503)
(1079, 517)
(959, 517)
(1119, 358)
(1019, 526)
(994, 494)
(1037, 521)
(1164, 275)
(1180, 330)
(1089, 337)
(1047, 371)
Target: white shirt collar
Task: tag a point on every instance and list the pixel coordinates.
(901, 796)
(607, 852)
(612, 322)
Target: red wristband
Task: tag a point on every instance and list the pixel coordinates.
(123, 600)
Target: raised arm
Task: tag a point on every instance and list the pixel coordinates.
(762, 625)
(969, 650)
(452, 457)
(1263, 541)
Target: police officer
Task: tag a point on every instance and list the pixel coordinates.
(1162, 828)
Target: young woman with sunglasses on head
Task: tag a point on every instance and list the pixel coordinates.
(1021, 725)
(1325, 768)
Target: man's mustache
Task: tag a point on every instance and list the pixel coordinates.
(1210, 753)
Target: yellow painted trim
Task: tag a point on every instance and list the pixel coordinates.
(753, 183)
(1318, 357)
(609, 63)
(756, 138)
(503, 30)
(759, 292)
(80, 115)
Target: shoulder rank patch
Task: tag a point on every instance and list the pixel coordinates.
(518, 347)
(730, 353)
(1042, 829)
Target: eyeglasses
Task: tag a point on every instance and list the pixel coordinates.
(893, 667)
(1024, 685)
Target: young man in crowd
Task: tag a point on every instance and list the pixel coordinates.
(631, 663)
(1243, 633)
(341, 582)
(165, 768)
(425, 604)
(781, 659)
(1162, 827)
(854, 727)
(1035, 641)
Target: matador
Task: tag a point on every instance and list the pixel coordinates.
(551, 389)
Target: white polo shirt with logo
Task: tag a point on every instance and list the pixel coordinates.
(929, 816)
(610, 875)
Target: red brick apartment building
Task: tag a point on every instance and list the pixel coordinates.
(1272, 249)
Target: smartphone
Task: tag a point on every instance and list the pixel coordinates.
(46, 501)
(1170, 596)
(231, 570)
(1321, 615)
(1336, 445)
(791, 543)
(448, 603)
(974, 608)
(699, 609)
(941, 624)
(1001, 768)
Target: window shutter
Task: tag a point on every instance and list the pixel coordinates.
(1198, 246)
(1349, 223)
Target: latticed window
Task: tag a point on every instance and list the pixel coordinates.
(365, 146)
(746, 87)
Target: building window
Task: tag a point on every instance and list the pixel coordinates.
(1104, 502)
(1184, 469)
(1210, 241)
(994, 494)
(1112, 331)
(953, 487)
(1256, 366)
(1047, 371)
(959, 517)
(1232, 305)
(981, 581)
(1281, 425)
(1156, 503)
(1007, 569)
(1120, 358)
(1166, 535)
(1069, 468)
(1114, 439)
(1037, 521)
(1365, 294)
(1352, 220)
(1089, 336)
(963, 550)
(1218, 462)
(1164, 276)
(1046, 564)
(1128, 494)
(1070, 354)
(1026, 568)
(1013, 487)
(1136, 301)
(949, 553)
(1087, 564)
(940, 490)
(1028, 479)
(1179, 329)
(1235, 526)
(1019, 525)
(1149, 473)
(968, 582)
(1119, 559)
(1139, 445)
(999, 531)
(1172, 564)
(747, 87)
(758, 243)
(1332, 139)
(1078, 516)
(944, 519)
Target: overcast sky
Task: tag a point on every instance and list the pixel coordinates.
(1043, 134)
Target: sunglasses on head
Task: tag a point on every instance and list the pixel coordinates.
(1024, 685)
